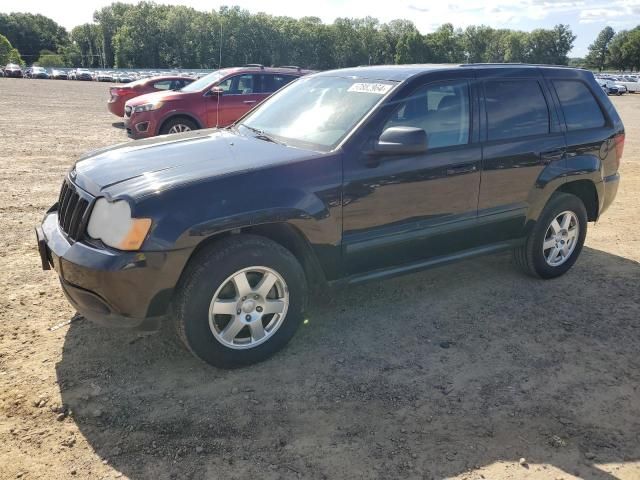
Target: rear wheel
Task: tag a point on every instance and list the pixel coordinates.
(240, 301)
(178, 125)
(555, 243)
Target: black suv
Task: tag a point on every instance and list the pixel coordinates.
(341, 177)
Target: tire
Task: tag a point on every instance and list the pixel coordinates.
(532, 258)
(178, 125)
(209, 275)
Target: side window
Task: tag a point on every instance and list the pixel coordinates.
(441, 110)
(240, 85)
(271, 83)
(515, 108)
(162, 85)
(581, 110)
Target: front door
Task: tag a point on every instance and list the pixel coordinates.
(240, 93)
(399, 209)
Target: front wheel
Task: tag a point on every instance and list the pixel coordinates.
(555, 242)
(240, 301)
(178, 125)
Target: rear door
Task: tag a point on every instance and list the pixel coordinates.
(521, 136)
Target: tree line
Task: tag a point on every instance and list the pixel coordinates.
(149, 35)
(617, 51)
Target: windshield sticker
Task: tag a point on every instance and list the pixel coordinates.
(379, 88)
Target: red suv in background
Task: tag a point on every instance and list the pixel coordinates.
(216, 100)
(120, 95)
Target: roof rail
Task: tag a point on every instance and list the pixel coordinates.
(293, 67)
(256, 65)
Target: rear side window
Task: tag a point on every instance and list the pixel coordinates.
(271, 83)
(581, 110)
(162, 85)
(515, 108)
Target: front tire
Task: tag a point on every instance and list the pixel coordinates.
(555, 242)
(240, 301)
(178, 125)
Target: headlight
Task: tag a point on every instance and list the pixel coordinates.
(111, 222)
(147, 107)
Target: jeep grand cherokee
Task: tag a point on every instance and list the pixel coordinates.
(341, 177)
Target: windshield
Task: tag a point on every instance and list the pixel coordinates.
(203, 82)
(316, 112)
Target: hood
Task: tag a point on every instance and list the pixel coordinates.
(164, 95)
(145, 167)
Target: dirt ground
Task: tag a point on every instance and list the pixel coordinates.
(458, 372)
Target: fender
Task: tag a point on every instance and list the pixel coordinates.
(557, 174)
(201, 211)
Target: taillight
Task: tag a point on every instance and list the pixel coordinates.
(619, 142)
(115, 91)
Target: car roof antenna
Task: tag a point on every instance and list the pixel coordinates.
(219, 67)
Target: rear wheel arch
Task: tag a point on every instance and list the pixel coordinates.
(586, 191)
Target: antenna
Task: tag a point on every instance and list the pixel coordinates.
(219, 66)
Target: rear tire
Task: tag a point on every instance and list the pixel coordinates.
(221, 313)
(555, 242)
(178, 125)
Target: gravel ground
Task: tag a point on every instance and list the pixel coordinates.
(468, 371)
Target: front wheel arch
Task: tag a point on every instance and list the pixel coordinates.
(173, 117)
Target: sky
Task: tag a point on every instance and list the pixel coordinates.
(586, 17)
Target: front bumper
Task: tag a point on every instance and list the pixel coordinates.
(140, 125)
(108, 287)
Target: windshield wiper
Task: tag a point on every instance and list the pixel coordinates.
(260, 134)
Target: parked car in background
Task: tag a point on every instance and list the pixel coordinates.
(630, 84)
(57, 74)
(104, 76)
(342, 177)
(609, 87)
(1, 72)
(83, 74)
(37, 72)
(218, 99)
(120, 95)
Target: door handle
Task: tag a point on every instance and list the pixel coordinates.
(551, 155)
(249, 101)
(459, 169)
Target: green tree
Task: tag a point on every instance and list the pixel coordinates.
(446, 45)
(618, 53)
(598, 56)
(411, 48)
(31, 33)
(49, 59)
(8, 54)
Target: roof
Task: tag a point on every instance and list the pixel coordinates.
(399, 73)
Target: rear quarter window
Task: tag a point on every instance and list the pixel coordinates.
(515, 108)
(580, 108)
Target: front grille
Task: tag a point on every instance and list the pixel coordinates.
(127, 111)
(72, 211)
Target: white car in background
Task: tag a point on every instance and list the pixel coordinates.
(629, 83)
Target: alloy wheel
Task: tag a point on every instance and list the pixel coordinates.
(249, 307)
(179, 128)
(561, 238)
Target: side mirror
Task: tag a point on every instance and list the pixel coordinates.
(402, 140)
(216, 91)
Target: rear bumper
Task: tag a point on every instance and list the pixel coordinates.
(609, 191)
(111, 288)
